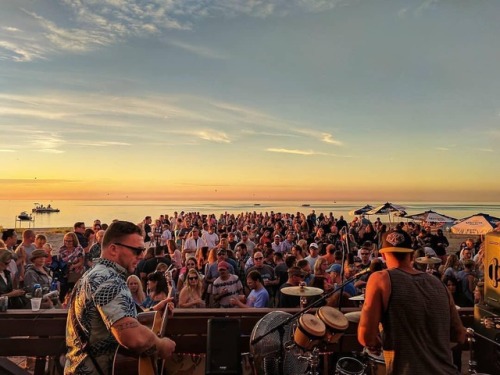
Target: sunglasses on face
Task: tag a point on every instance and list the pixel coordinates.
(136, 250)
(259, 258)
(193, 278)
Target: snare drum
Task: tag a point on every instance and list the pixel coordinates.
(349, 366)
(309, 332)
(376, 363)
(336, 323)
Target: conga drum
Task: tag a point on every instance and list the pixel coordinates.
(336, 323)
(349, 366)
(309, 332)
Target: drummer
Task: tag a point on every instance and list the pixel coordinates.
(417, 313)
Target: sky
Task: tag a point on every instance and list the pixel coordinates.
(250, 99)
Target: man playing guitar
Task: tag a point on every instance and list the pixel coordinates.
(102, 312)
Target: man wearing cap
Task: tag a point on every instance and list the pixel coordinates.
(226, 286)
(417, 313)
(313, 254)
(276, 244)
(335, 272)
(295, 277)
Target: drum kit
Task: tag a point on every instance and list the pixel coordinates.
(314, 335)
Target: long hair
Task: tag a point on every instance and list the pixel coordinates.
(161, 282)
(198, 287)
(140, 295)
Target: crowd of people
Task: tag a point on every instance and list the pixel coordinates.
(192, 260)
(214, 259)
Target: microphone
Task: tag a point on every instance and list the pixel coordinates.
(361, 273)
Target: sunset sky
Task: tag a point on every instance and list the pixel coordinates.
(250, 99)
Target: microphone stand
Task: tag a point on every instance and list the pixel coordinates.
(310, 306)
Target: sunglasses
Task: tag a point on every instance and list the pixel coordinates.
(137, 250)
(192, 278)
(259, 258)
(222, 269)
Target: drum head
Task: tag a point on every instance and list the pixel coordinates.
(312, 325)
(353, 316)
(349, 366)
(333, 318)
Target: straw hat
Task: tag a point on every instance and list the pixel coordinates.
(5, 255)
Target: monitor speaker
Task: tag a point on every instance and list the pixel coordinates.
(223, 347)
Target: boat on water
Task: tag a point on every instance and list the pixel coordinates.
(306, 205)
(40, 208)
(24, 216)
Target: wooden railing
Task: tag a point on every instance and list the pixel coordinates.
(41, 334)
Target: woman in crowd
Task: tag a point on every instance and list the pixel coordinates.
(36, 272)
(71, 262)
(157, 289)
(191, 294)
(135, 286)
(17, 300)
(190, 265)
(298, 252)
(175, 254)
(451, 266)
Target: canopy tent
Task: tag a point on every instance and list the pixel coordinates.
(361, 211)
(431, 217)
(476, 224)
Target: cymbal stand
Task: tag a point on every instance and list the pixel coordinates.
(312, 359)
(472, 360)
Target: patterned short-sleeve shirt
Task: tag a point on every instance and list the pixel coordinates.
(100, 298)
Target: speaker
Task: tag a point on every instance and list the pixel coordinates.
(492, 270)
(223, 347)
(487, 347)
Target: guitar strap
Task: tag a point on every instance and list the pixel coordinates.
(83, 338)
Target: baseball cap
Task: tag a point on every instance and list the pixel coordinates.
(314, 244)
(335, 267)
(396, 241)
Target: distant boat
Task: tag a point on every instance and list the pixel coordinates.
(24, 216)
(41, 209)
(256, 204)
(306, 205)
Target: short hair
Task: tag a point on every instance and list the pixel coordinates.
(290, 260)
(255, 275)
(278, 255)
(337, 255)
(118, 230)
(28, 233)
(302, 263)
(78, 224)
(42, 237)
(242, 246)
(8, 233)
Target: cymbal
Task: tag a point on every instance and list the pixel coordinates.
(428, 260)
(301, 291)
(361, 297)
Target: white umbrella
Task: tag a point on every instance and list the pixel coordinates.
(476, 224)
(431, 217)
(387, 209)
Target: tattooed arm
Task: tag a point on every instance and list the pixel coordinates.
(139, 338)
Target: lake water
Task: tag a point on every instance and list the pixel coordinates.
(87, 211)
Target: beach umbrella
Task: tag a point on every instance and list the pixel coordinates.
(387, 209)
(361, 211)
(476, 224)
(431, 217)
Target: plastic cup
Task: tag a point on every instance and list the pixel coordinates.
(35, 304)
(4, 303)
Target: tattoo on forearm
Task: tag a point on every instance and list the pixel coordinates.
(124, 326)
(150, 351)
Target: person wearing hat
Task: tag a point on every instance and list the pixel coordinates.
(417, 313)
(295, 277)
(313, 254)
(226, 286)
(36, 272)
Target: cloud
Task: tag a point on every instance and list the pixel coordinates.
(442, 149)
(78, 26)
(321, 136)
(7, 150)
(295, 152)
(485, 150)
(197, 50)
(328, 138)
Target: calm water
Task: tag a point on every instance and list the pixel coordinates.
(87, 211)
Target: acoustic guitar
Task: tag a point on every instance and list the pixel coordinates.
(126, 362)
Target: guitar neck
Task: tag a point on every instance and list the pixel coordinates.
(164, 316)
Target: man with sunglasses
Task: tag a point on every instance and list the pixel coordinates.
(102, 313)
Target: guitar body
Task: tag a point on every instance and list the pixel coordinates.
(126, 362)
